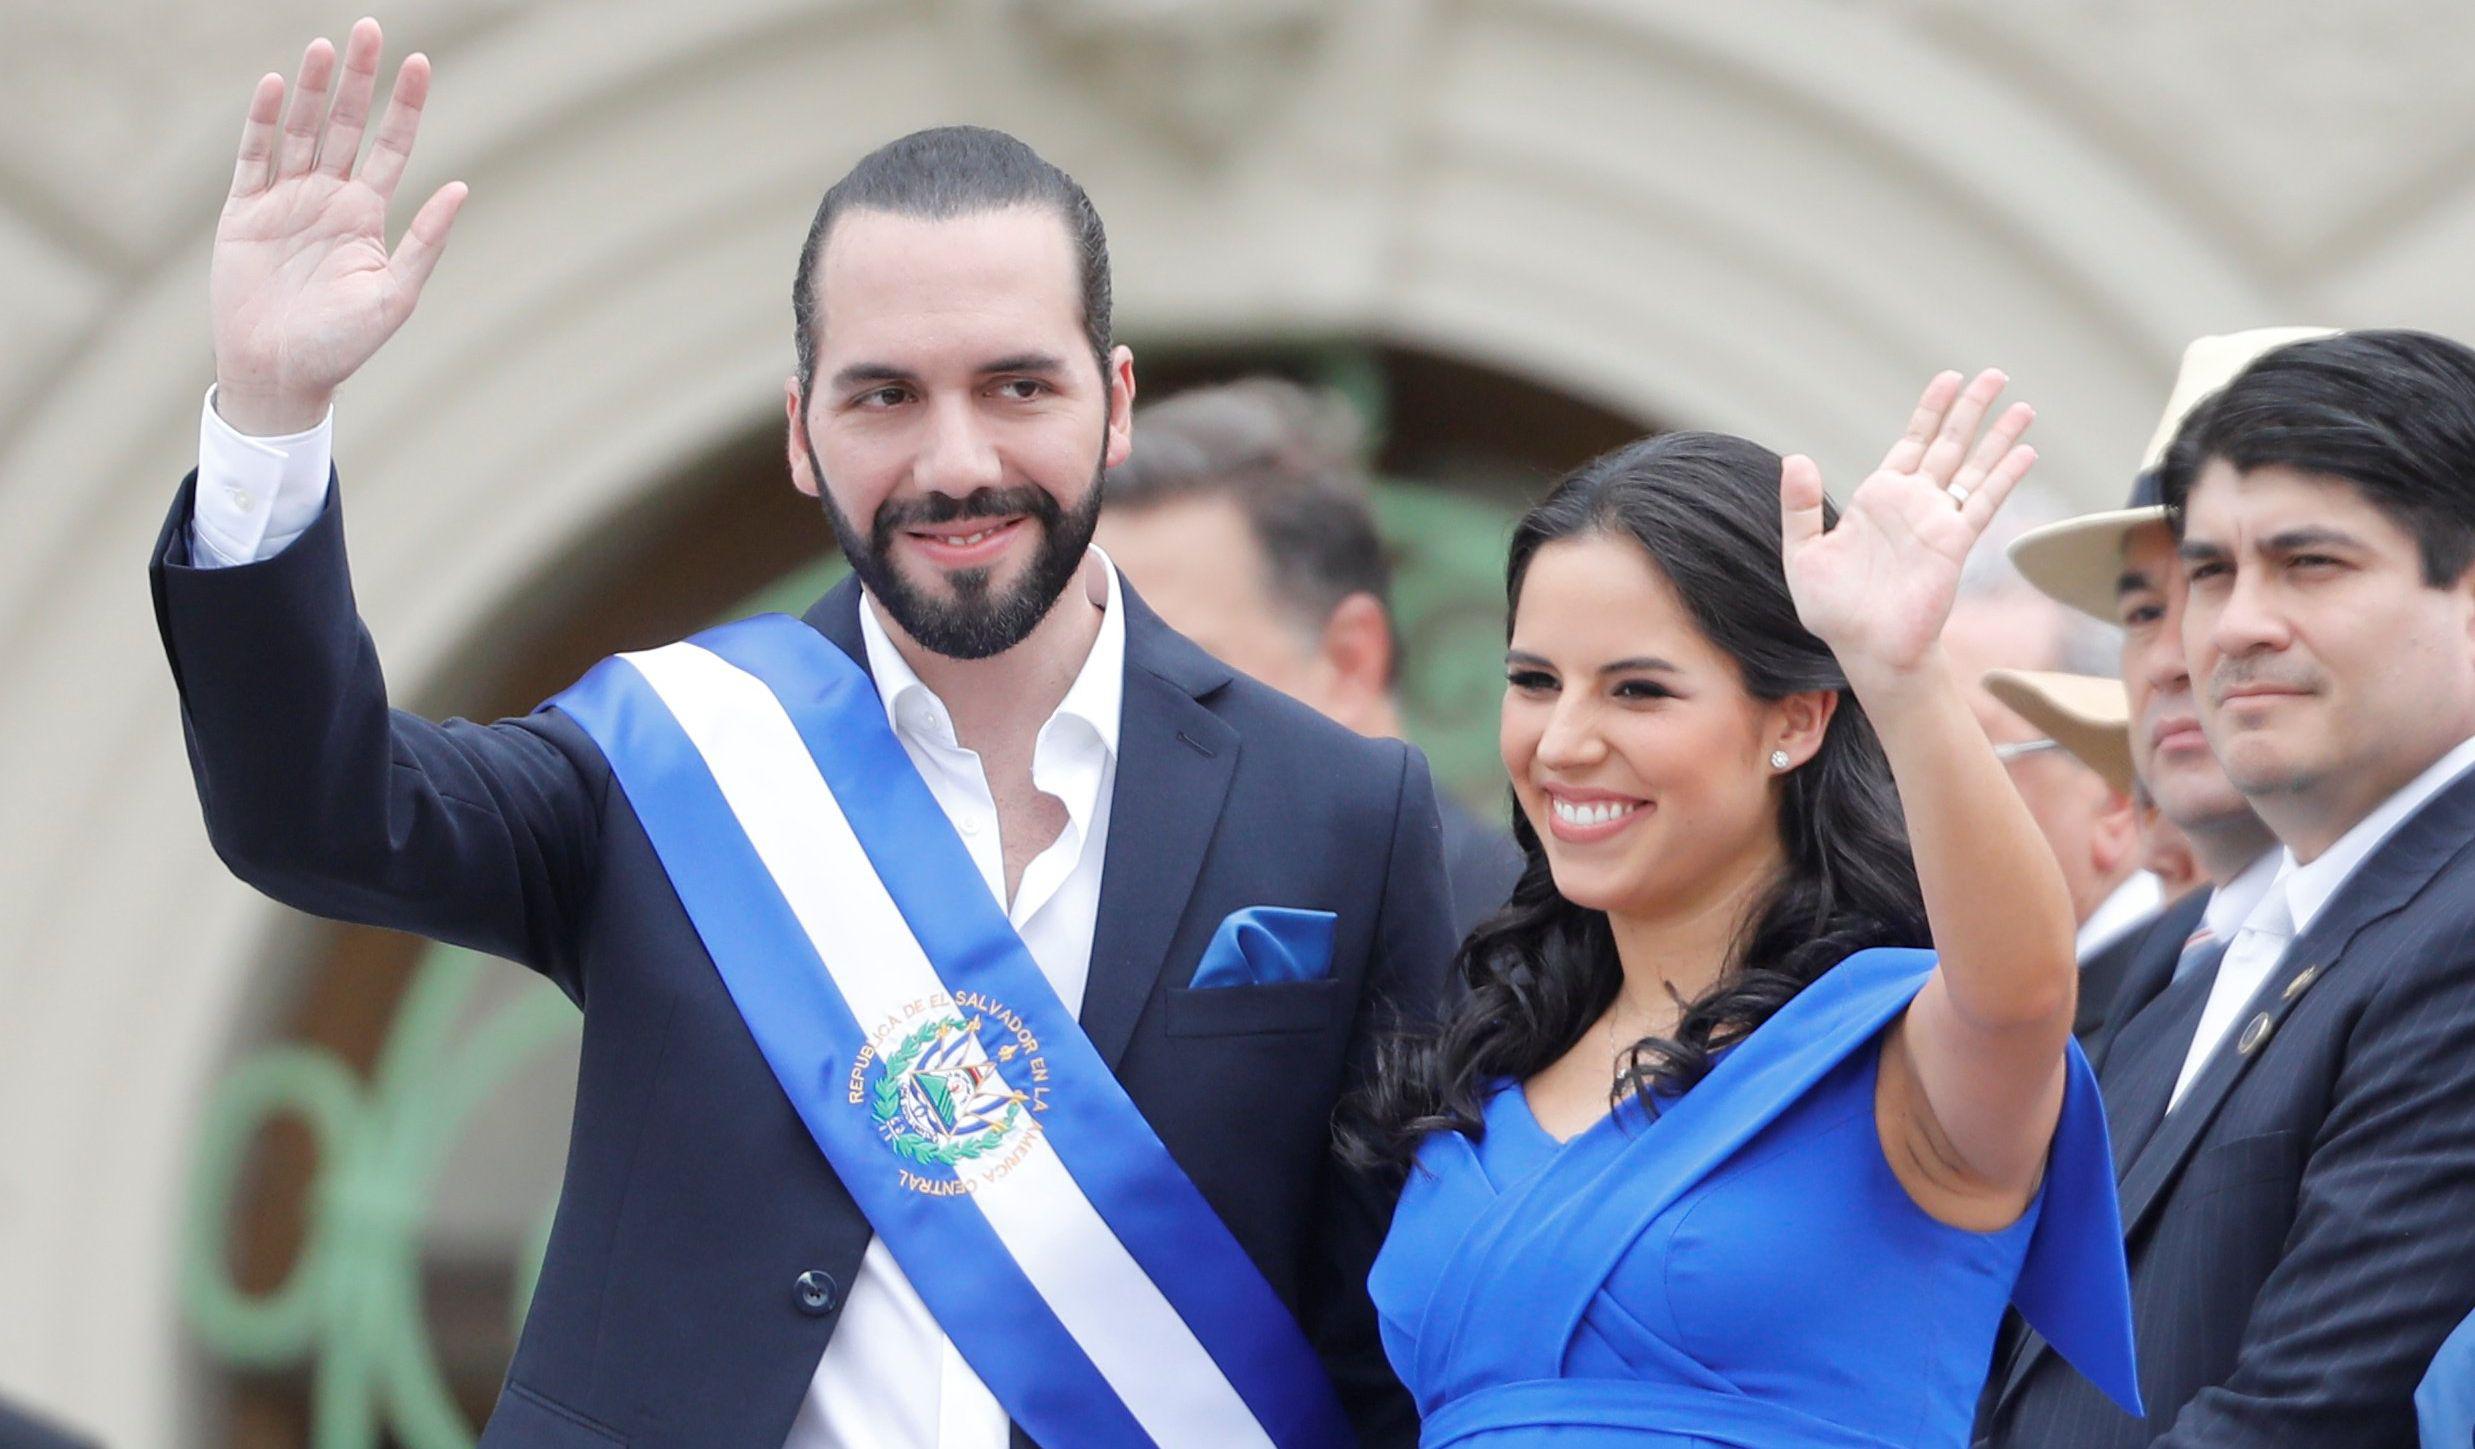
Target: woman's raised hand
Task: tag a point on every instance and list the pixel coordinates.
(303, 288)
(1878, 586)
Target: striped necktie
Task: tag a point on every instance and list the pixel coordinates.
(2195, 951)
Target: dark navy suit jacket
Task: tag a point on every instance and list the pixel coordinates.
(2302, 1227)
(671, 1307)
(2119, 980)
(1481, 863)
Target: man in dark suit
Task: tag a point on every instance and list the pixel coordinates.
(1244, 516)
(2294, 1124)
(710, 1278)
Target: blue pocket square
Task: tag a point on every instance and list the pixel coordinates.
(1262, 945)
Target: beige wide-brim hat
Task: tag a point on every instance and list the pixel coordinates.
(2086, 714)
(2079, 562)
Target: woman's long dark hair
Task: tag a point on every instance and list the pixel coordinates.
(1704, 508)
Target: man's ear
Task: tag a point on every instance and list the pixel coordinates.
(795, 440)
(2114, 836)
(1355, 651)
(1121, 407)
(2465, 587)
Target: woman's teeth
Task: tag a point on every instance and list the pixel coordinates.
(1595, 812)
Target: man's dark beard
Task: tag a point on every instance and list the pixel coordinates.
(977, 623)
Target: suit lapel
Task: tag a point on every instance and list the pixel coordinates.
(1174, 761)
(2399, 869)
(2140, 1080)
(836, 616)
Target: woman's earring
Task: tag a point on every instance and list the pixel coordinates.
(1778, 759)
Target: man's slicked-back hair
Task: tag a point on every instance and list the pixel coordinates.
(947, 172)
(2390, 412)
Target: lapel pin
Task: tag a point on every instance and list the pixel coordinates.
(2254, 1034)
(2303, 978)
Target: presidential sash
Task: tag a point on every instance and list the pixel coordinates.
(1075, 1267)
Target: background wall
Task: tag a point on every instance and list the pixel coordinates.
(1774, 217)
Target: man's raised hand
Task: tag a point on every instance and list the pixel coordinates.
(303, 288)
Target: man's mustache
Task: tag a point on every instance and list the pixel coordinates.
(936, 508)
(2232, 674)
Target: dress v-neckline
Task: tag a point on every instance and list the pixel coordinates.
(1520, 1093)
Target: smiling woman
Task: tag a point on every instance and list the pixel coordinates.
(1722, 702)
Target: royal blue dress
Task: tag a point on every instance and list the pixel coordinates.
(1740, 1269)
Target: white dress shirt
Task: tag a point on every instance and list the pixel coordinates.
(2131, 903)
(2221, 919)
(2296, 897)
(890, 1379)
(2230, 903)
(255, 495)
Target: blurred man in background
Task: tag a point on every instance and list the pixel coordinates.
(2165, 851)
(2000, 622)
(1243, 515)
(2089, 718)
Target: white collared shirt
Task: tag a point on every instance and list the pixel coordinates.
(2231, 902)
(890, 1379)
(2130, 903)
(2307, 890)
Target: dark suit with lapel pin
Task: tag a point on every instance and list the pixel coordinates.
(696, 1266)
(2302, 1226)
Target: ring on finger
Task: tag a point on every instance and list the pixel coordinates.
(1959, 494)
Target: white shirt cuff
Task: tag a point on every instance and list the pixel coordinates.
(256, 495)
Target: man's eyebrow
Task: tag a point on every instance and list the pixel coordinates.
(2297, 539)
(859, 372)
(2132, 581)
(2311, 535)
(1033, 362)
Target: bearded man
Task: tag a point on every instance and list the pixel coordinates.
(969, 970)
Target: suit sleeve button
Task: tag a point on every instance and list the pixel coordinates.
(816, 1293)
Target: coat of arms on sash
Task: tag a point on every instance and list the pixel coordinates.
(943, 1101)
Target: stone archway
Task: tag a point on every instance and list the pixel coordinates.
(1659, 208)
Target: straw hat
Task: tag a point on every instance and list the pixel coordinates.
(2079, 561)
(2087, 715)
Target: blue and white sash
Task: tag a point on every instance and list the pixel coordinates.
(1073, 1264)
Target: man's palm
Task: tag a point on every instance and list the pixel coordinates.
(304, 289)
